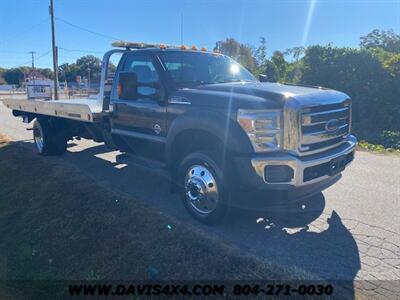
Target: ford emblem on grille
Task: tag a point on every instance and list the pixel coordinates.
(332, 125)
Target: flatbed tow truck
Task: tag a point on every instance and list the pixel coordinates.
(216, 129)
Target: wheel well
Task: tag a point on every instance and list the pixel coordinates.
(66, 127)
(191, 140)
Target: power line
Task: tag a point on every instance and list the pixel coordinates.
(80, 50)
(88, 30)
(68, 58)
(43, 55)
(36, 59)
(63, 57)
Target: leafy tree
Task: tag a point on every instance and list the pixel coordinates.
(68, 72)
(296, 52)
(293, 72)
(46, 72)
(14, 75)
(240, 52)
(2, 80)
(392, 64)
(92, 63)
(261, 52)
(389, 60)
(271, 70)
(387, 40)
(278, 59)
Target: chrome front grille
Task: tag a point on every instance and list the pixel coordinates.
(324, 127)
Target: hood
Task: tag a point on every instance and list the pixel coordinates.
(260, 95)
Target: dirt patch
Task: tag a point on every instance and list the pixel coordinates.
(55, 223)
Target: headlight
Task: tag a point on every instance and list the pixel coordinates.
(263, 128)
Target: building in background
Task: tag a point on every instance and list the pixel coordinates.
(38, 86)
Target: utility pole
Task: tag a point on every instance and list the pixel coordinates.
(88, 69)
(33, 59)
(55, 52)
(33, 65)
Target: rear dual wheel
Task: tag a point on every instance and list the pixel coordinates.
(48, 139)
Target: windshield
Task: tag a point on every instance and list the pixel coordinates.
(191, 68)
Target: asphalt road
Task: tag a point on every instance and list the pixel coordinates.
(351, 232)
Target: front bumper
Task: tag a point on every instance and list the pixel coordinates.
(309, 171)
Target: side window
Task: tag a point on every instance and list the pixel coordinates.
(181, 71)
(144, 68)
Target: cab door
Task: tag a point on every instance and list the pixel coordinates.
(139, 125)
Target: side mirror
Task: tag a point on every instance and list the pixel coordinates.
(262, 78)
(127, 85)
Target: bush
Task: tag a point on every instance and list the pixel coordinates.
(361, 74)
(385, 139)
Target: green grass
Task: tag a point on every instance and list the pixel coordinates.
(382, 142)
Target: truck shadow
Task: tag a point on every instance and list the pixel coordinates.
(307, 237)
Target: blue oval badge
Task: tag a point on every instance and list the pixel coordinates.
(332, 125)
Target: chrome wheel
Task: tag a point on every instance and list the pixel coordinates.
(201, 189)
(38, 137)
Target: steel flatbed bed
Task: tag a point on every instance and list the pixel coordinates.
(85, 110)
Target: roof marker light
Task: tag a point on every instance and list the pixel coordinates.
(194, 48)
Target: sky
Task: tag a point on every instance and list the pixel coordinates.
(90, 26)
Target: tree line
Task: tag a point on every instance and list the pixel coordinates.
(84, 67)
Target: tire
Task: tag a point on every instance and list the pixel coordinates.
(47, 140)
(204, 192)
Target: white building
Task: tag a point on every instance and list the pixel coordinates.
(37, 86)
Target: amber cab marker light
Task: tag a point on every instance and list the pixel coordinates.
(183, 47)
(163, 46)
(203, 49)
(194, 48)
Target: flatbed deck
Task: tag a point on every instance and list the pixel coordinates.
(86, 110)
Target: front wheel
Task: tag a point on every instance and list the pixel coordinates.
(203, 188)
